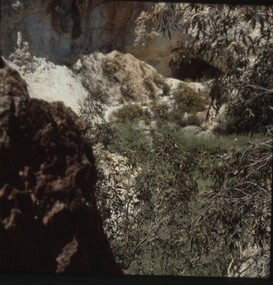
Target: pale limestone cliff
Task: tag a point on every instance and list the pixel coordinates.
(58, 29)
(62, 30)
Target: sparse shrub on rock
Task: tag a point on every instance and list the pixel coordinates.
(187, 100)
(132, 113)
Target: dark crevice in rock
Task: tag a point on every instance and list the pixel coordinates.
(66, 18)
(194, 69)
(76, 18)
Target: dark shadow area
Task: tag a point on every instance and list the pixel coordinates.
(194, 69)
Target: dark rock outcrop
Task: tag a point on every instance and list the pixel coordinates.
(11, 83)
(48, 215)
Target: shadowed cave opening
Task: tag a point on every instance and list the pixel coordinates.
(194, 69)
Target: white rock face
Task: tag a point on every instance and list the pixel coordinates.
(49, 81)
(56, 83)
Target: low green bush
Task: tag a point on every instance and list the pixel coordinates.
(193, 120)
(127, 140)
(226, 125)
(132, 113)
(187, 100)
(177, 117)
(190, 142)
(160, 111)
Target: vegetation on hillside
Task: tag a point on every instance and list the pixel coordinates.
(202, 204)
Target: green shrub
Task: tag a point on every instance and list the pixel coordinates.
(164, 116)
(178, 118)
(187, 100)
(132, 113)
(175, 175)
(219, 144)
(192, 120)
(164, 188)
(127, 140)
(160, 111)
(226, 125)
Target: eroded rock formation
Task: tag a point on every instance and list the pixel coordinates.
(60, 29)
(153, 32)
(48, 215)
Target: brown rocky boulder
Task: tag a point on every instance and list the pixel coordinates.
(49, 221)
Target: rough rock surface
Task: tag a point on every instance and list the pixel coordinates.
(48, 215)
(123, 76)
(117, 182)
(59, 29)
(62, 29)
(43, 38)
(255, 263)
(122, 79)
(47, 80)
(11, 83)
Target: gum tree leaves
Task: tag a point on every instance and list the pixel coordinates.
(168, 21)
